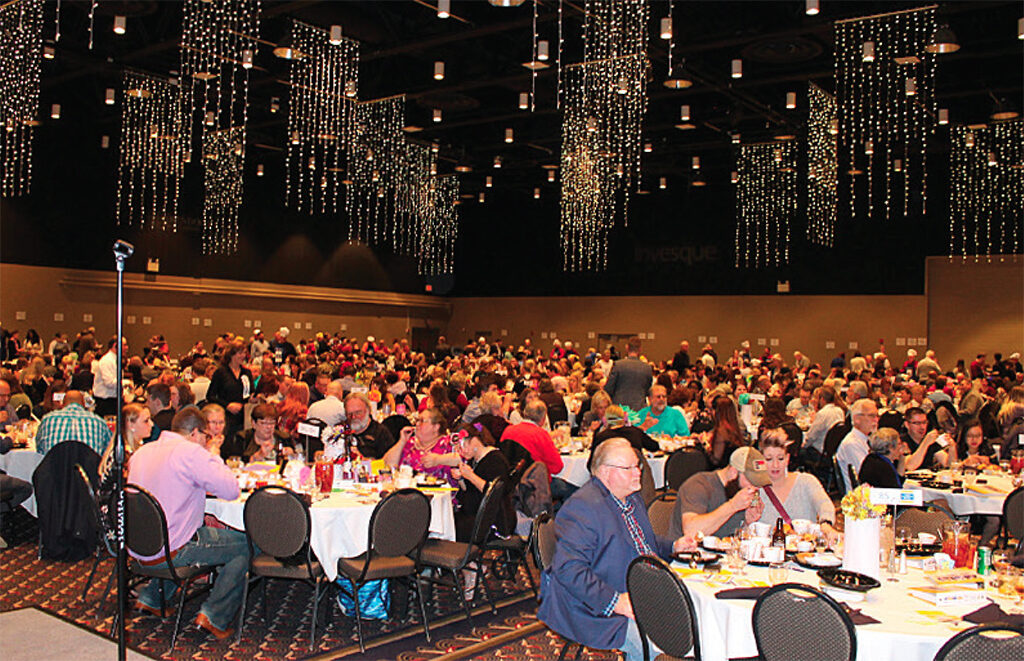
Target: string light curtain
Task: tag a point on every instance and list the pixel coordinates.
(884, 83)
(217, 38)
(604, 107)
(413, 191)
(224, 158)
(152, 152)
(375, 155)
(21, 48)
(822, 167)
(987, 190)
(439, 227)
(766, 203)
(318, 117)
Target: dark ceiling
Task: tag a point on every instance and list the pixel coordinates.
(510, 244)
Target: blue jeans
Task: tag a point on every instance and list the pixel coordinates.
(222, 547)
(633, 647)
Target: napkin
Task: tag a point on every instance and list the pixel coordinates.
(992, 613)
(740, 593)
(857, 617)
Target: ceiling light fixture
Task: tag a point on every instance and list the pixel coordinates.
(489, 181)
(678, 83)
(49, 52)
(247, 59)
(666, 28)
(1003, 110)
(439, 70)
(335, 38)
(497, 162)
(695, 162)
(509, 136)
(811, 8)
(55, 111)
(662, 183)
(524, 100)
(259, 170)
(437, 115)
(790, 100)
(737, 68)
(119, 24)
(444, 8)
(543, 50)
(942, 41)
(110, 97)
(684, 113)
(943, 116)
(536, 193)
(648, 147)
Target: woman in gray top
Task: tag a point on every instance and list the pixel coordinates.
(800, 494)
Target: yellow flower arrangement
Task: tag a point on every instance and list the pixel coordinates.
(857, 504)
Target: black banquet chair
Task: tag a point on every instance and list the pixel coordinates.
(146, 535)
(660, 514)
(985, 643)
(929, 519)
(663, 608)
(277, 522)
(681, 465)
(398, 527)
(1013, 517)
(105, 547)
(796, 622)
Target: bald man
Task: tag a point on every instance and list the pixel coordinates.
(72, 422)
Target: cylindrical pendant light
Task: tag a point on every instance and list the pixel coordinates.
(247, 59)
(737, 68)
(481, 198)
(684, 113)
(648, 147)
(943, 116)
(335, 38)
(695, 162)
(524, 100)
(439, 70)
(662, 183)
(55, 111)
(489, 182)
(868, 51)
(119, 24)
(437, 115)
(109, 98)
(790, 100)
(509, 136)
(497, 162)
(734, 177)
(811, 8)
(666, 28)
(911, 86)
(259, 170)
(536, 193)
(551, 175)
(542, 50)
(444, 8)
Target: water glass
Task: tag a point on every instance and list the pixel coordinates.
(778, 573)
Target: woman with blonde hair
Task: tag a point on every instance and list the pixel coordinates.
(136, 426)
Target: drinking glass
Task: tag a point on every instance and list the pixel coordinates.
(736, 560)
(902, 536)
(324, 476)
(778, 573)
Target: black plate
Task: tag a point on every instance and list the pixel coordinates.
(932, 484)
(919, 549)
(848, 580)
(702, 557)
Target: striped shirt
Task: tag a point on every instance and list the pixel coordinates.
(72, 423)
(636, 534)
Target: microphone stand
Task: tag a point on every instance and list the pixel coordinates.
(122, 251)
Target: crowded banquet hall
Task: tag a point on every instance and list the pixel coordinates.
(512, 329)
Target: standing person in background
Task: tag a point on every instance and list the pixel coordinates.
(230, 386)
(630, 378)
(106, 380)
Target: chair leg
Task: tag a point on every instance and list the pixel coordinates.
(110, 582)
(529, 575)
(263, 589)
(481, 579)
(92, 573)
(565, 648)
(359, 618)
(423, 609)
(177, 618)
(457, 584)
(316, 607)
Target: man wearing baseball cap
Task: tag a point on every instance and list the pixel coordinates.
(718, 502)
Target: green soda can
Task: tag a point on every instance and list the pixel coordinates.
(984, 560)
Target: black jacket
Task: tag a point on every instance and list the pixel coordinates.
(67, 528)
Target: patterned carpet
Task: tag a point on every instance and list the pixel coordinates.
(55, 587)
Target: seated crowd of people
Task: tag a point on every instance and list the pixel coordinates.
(468, 415)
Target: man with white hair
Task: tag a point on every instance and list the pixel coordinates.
(927, 365)
(800, 361)
(280, 347)
(329, 409)
(855, 446)
(600, 530)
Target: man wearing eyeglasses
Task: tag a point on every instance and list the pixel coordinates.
(600, 529)
(177, 470)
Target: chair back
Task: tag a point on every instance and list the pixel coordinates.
(923, 519)
(395, 423)
(837, 475)
(681, 465)
(399, 523)
(311, 433)
(1013, 513)
(660, 514)
(277, 521)
(487, 515)
(145, 524)
(853, 476)
(544, 540)
(647, 489)
(833, 437)
(797, 621)
(991, 641)
(96, 518)
(533, 494)
(663, 607)
(890, 420)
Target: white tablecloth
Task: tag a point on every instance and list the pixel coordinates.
(969, 502)
(21, 464)
(574, 468)
(341, 524)
(902, 634)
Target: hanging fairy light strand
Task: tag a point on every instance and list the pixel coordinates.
(416, 170)
(318, 117)
(21, 47)
(605, 104)
(822, 167)
(56, 25)
(152, 153)
(986, 190)
(766, 203)
(92, 17)
(885, 81)
(439, 227)
(375, 154)
(218, 40)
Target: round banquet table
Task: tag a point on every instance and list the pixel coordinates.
(985, 498)
(905, 631)
(574, 468)
(21, 464)
(340, 522)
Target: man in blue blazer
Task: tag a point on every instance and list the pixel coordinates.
(600, 529)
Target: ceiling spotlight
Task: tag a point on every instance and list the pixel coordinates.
(524, 100)
(335, 38)
(734, 177)
(259, 170)
(247, 59)
(119, 24)
(943, 116)
(286, 50)
(438, 70)
(910, 87)
(497, 161)
(698, 181)
(735, 136)
(489, 182)
(695, 161)
(481, 198)
(1020, 28)
(684, 113)
(790, 100)
(662, 183)
(444, 8)
(109, 98)
(437, 115)
(105, 142)
(943, 41)
(49, 53)
(737, 68)
(536, 193)
(648, 147)
(551, 175)
(55, 111)
(666, 28)
(275, 104)
(509, 137)
(542, 50)
(811, 8)
(678, 83)
(1003, 110)
(867, 51)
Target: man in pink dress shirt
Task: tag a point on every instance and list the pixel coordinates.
(178, 471)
